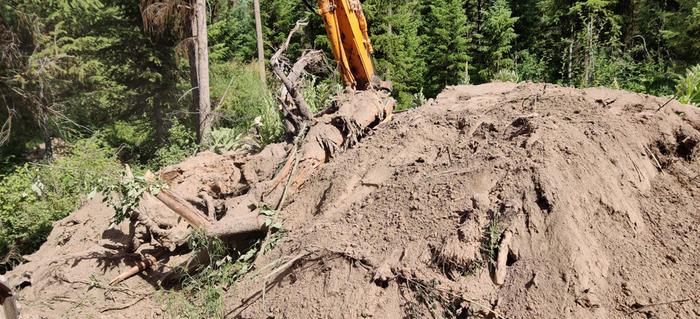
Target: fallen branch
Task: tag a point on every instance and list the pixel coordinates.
(140, 266)
(184, 209)
(637, 307)
(125, 306)
(236, 225)
(502, 259)
(279, 72)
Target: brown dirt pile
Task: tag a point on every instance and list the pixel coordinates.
(498, 200)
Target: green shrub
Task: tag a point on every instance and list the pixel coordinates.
(241, 97)
(319, 94)
(35, 195)
(132, 139)
(688, 87)
(530, 67)
(202, 293)
(225, 139)
(179, 145)
(505, 75)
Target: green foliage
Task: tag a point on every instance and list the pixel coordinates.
(202, 294)
(227, 139)
(496, 43)
(688, 87)
(394, 25)
(232, 32)
(445, 33)
(247, 99)
(530, 67)
(319, 94)
(124, 196)
(179, 145)
(132, 139)
(34, 196)
(505, 75)
(491, 238)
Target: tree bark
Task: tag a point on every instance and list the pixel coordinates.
(46, 135)
(159, 123)
(205, 116)
(259, 36)
(570, 61)
(277, 70)
(192, 57)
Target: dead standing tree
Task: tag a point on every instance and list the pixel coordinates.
(185, 21)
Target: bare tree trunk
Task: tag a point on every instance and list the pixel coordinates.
(205, 116)
(570, 61)
(390, 28)
(194, 82)
(259, 36)
(159, 123)
(46, 135)
(589, 51)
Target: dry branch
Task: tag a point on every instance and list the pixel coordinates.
(184, 209)
(276, 63)
(140, 266)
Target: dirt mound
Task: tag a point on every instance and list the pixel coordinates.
(498, 200)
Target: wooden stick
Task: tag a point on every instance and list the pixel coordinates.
(502, 259)
(277, 69)
(142, 265)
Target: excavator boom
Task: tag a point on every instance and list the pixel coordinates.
(347, 32)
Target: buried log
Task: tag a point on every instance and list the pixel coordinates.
(7, 300)
(237, 225)
(184, 209)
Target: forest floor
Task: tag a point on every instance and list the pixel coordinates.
(498, 200)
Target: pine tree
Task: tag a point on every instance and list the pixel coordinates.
(445, 30)
(496, 47)
(681, 32)
(394, 28)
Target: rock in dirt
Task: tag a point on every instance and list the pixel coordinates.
(598, 189)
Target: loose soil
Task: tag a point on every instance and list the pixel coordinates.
(498, 201)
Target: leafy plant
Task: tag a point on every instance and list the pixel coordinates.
(33, 196)
(243, 98)
(226, 139)
(179, 145)
(319, 94)
(202, 294)
(688, 87)
(418, 99)
(125, 196)
(491, 237)
(505, 75)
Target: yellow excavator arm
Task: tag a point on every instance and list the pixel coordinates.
(346, 27)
